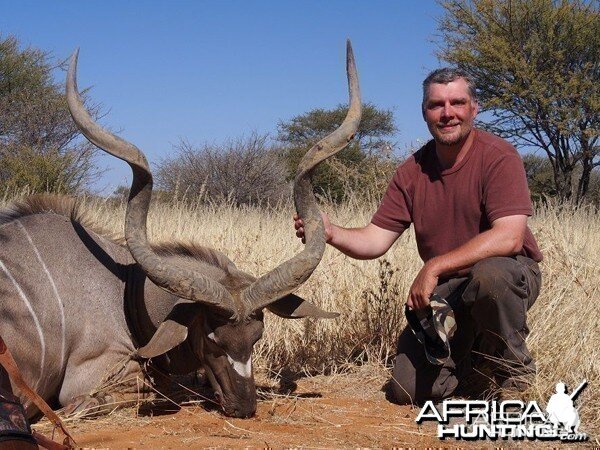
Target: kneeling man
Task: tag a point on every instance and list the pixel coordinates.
(466, 194)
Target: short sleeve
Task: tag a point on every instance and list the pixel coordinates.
(394, 211)
(505, 188)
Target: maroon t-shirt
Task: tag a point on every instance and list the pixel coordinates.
(450, 207)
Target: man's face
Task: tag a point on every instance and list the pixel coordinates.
(449, 111)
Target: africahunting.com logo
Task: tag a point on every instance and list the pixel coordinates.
(508, 419)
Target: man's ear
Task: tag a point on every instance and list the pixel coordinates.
(293, 307)
(475, 107)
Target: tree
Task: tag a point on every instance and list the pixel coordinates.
(541, 183)
(359, 166)
(535, 63)
(539, 176)
(243, 171)
(39, 145)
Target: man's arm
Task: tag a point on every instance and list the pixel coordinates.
(505, 238)
(368, 242)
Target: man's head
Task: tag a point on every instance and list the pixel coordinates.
(449, 105)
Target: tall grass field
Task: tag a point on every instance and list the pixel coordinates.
(370, 295)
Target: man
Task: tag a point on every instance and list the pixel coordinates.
(466, 194)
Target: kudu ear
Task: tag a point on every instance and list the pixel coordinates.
(168, 336)
(293, 307)
(172, 331)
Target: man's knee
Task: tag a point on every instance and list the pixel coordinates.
(497, 296)
(412, 385)
(492, 277)
(495, 284)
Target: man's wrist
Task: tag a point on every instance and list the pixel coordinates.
(330, 239)
(435, 266)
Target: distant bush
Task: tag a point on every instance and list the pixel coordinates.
(244, 171)
(39, 145)
(540, 177)
(364, 167)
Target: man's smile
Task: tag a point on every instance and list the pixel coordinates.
(448, 127)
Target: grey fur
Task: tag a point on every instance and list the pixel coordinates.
(96, 294)
(84, 313)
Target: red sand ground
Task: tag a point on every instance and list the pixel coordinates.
(341, 411)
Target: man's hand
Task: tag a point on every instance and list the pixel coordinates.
(299, 226)
(505, 238)
(423, 286)
(366, 242)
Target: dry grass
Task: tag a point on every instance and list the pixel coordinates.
(565, 337)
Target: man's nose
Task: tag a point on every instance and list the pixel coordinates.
(447, 110)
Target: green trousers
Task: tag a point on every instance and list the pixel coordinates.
(490, 307)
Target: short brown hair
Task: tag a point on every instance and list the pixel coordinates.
(445, 75)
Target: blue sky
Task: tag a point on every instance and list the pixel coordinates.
(211, 70)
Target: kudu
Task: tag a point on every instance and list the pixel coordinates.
(78, 305)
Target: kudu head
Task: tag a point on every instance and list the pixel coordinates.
(222, 336)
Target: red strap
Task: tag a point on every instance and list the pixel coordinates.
(9, 363)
